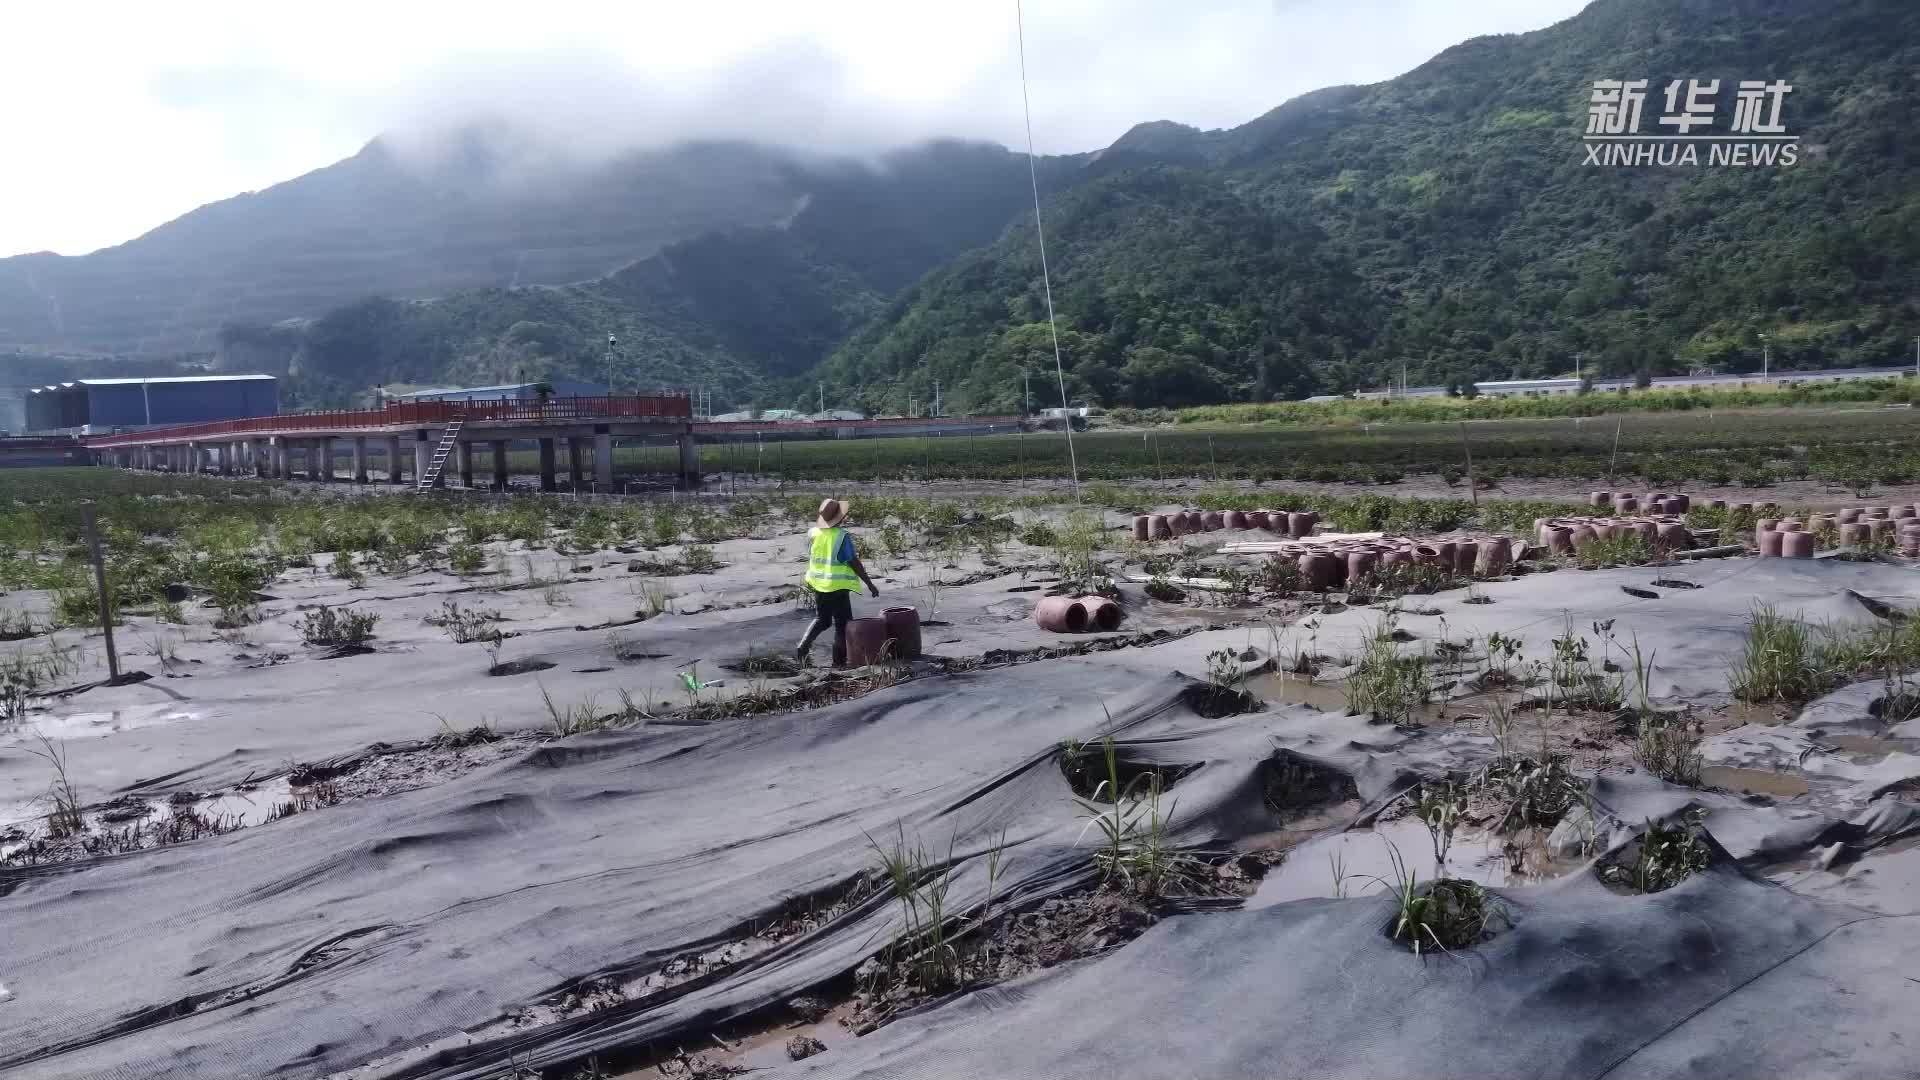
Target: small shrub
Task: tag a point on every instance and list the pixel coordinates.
(346, 569)
(334, 626)
(1664, 856)
(1390, 687)
(464, 625)
(700, 559)
(1038, 534)
(464, 558)
(1669, 748)
(1777, 663)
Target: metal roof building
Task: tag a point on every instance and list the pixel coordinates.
(105, 404)
(523, 391)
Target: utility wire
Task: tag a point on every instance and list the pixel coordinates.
(1046, 281)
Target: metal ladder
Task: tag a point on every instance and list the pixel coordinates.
(426, 480)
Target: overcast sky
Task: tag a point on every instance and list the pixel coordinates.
(123, 116)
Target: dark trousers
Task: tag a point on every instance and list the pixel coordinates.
(833, 609)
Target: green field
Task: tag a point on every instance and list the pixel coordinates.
(1859, 446)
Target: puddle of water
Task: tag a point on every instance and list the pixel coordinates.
(1752, 781)
(89, 725)
(1292, 689)
(1362, 856)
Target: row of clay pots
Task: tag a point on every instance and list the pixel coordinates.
(1167, 526)
(1875, 513)
(1562, 536)
(1338, 564)
(1077, 614)
(1790, 538)
(1655, 502)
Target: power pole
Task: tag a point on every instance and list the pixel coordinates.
(822, 387)
(611, 344)
(1766, 358)
(936, 398)
(1026, 381)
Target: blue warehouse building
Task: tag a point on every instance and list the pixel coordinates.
(108, 404)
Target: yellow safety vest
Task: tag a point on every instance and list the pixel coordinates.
(823, 573)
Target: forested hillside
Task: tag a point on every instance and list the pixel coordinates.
(1446, 218)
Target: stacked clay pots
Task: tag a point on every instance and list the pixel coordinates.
(1853, 526)
(1623, 503)
(1296, 524)
(1662, 532)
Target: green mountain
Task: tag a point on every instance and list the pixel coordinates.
(1447, 219)
(725, 310)
(483, 209)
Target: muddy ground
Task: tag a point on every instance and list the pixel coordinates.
(238, 731)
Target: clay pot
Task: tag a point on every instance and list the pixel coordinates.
(1428, 555)
(1646, 530)
(1656, 506)
(1796, 545)
(1765, 524)
(1902, 513)
(1443, 552)
(1672, 536)
(1300, 523)
(1605, 530)
(903, 626)
(1158, 527)
(1059, 614)
(1359, 562)
(1276, 522)
(1658, 496)
(1739, 508)
(1103, 614)
(1466, 553)
(1855, 532)
(1177, 524)
(1769, 542)
(1322, 571)
(1851, 514)
(1559, 539)
(1883, 528)
(1626, 504)
(1600, 499)
(1194, 521)
(1237, 519)
(866, 641)
(1142, 527)
(1256, 519)
(1679, 504)
(1211, 520)
(1880, 511)
(1716, 504)
(1583, 535)
(1396, 557)
(1494, 557)
(1790, 525)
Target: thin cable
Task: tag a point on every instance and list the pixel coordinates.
(1046, 280)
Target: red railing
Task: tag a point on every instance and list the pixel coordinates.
(398, 415)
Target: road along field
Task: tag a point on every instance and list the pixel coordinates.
(433, 787)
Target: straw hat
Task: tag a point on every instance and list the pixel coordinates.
(832, 513)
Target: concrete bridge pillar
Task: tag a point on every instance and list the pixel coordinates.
(393, 460)
(689, 462)
(499, 464)
(463, 459)
(423, 457)
(321, 460)
(196, 461)
(359, 459)
(603, 461)
(575, 471)
(547, 481)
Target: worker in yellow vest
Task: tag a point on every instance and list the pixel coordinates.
(834, 573)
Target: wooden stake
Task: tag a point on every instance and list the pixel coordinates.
(1473, 489)
(1613, 460)
(100, 583)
